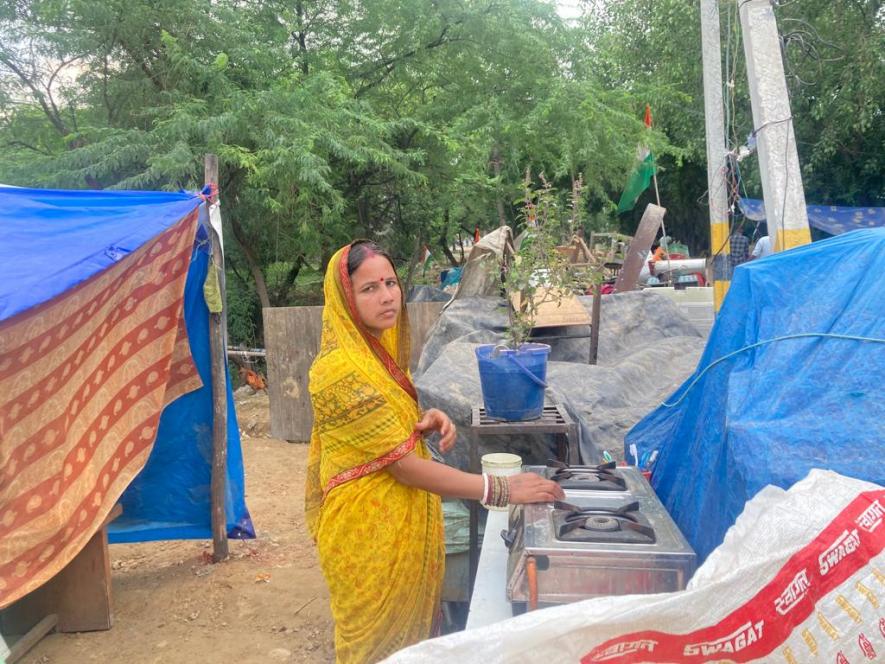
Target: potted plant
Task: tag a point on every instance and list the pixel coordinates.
(513, 375)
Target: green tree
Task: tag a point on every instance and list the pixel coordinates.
(408, 122)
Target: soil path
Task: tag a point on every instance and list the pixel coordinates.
(268, 603)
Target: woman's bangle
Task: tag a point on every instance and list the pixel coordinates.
(499, 492)
(484, 499)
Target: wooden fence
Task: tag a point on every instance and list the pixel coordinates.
(292, 340)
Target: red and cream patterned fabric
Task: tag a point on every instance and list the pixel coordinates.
(83, 381)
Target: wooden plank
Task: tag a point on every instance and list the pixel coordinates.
(292, 341)
(422, 318)
(554, 310)
(636, 256)
(21, 647)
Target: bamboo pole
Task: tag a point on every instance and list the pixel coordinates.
(218, 351)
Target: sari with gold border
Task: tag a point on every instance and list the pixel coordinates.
(380, 542)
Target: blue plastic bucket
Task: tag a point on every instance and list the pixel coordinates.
(512, 381)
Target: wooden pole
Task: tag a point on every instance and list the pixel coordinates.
(628, 276)
(218, 351)
(594, 324)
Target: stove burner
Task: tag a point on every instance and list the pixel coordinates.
(588, 478)
(601, 523)
(626, 524)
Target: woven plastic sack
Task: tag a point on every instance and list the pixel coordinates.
(799, 578)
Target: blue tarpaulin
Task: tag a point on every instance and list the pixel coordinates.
(791, 379)
(831, 219)
(51, 241)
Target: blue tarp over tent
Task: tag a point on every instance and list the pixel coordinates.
(791, 379)
(51, 241)
(831, 219)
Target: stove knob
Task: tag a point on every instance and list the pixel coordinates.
(509, 536)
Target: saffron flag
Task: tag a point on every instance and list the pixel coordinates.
(642, 173)
(84, 378)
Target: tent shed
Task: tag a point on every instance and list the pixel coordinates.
(790, 380)
(105, 383)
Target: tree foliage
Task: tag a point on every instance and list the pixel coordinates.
(408, 121)
(832, 53)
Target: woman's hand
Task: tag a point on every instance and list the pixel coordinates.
(436, 420)
(532, 488)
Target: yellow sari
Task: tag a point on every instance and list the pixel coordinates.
(380, 542)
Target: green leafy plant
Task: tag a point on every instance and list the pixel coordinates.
(538, 274)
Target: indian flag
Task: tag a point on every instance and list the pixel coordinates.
(642, 173)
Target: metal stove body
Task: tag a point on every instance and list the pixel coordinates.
(625, 543)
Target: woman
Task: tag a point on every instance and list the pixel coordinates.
(373, 493)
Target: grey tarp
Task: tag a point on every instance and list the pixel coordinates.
(646, 349)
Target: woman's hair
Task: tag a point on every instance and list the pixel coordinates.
(360, 251)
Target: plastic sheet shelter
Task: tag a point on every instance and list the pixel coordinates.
(791, 379)
(52, 242)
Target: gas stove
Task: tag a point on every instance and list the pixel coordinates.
(610, 537)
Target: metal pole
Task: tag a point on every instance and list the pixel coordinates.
(218, 351)
(715, 131)
(773, 127)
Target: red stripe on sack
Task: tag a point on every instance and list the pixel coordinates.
(19, 358)
(375, 465)
(17, 571)
(135, 340)
(168, 238)
(763, 623)
(43, 496)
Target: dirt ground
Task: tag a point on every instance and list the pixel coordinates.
(268, 603)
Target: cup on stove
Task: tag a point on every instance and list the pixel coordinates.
(502, 464)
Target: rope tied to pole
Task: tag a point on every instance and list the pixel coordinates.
(800, 335)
